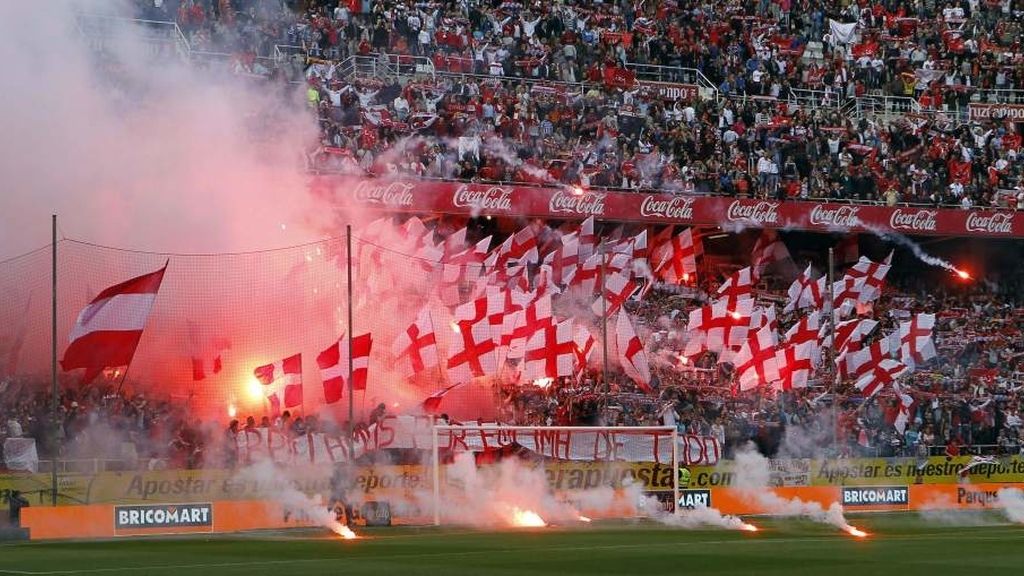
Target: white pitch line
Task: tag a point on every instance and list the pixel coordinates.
(939, 536)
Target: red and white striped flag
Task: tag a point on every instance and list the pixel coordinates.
(333, 364)
(108, 329)
(282, 382)
(905, 410)
(416, 347)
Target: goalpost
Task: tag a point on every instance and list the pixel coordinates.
(611, 444)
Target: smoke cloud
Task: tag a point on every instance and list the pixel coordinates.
(134, 149)
(1012, 502)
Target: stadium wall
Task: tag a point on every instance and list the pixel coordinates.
(478, 199)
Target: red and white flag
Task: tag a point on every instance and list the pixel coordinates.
(474, 352)
(850, 334)
(416, 347)
(587, 239)
(432, 404)
(805, 330)
(282, 382)
(584, 342)
(524, 323)
(675, 261)
(795, 362)
(333, 364)
(906, 409)
(736, 288)
(588, 274)
(631, 353)
(848, 292)
(916, 344)
(108, 329)
(618, 288)
(721, 326)
(564, 260)
(768, 250)
(873, 273)
(805, 292)
(756, 362)
(550, 352)
(879, 375)
(519, 248)
(857, 363)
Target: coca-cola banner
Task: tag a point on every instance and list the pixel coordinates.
(569, 203)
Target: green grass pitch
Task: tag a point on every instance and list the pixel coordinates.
(903, 544)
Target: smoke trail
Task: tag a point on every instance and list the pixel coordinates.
(909, 244)
(752, 476)
(1011, 500)
(294, 501)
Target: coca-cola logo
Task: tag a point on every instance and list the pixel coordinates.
(675, 208)
(918, 220)
(841, 216)
(495, 198)
(997, 223)
(583, 203)
(390, 194)
(762, 212)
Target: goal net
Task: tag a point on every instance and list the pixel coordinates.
(492, 475)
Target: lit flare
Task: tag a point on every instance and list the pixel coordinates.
(748, 527)
(344, 531)
(854, 531)
(584, 519)
(527, 519)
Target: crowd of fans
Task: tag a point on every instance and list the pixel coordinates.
(967, 399)
(547, 93)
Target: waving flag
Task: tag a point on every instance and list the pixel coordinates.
(768, 250)
(416, 347)
(916, 345)
(805, 292)
(282, 382)
(879, 375)
(795, 362)
(675, 261)
(108, 329)
(631, 353)
(550, 352)
(756, 362)
(738, 287)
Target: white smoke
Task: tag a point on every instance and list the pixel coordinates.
(1011, 500)
(132, 149)
(294, 501)
(909, 244)
(753, 475)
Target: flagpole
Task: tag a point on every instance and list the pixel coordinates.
(604, 322)
(129, 364)
(53, 365)
(351, 389)
(832, 349)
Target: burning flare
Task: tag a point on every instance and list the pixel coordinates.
(748, 527)
(963, 274)
(343, 531)
(583, 518)
(526, 519)
(854, 531)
